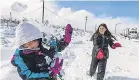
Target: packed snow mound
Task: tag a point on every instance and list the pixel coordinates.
(122, 63)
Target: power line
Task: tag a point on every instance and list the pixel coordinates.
(51, 12)
(33, 10)
(58, 15)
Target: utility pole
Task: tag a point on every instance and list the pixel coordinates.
(11, 16)
(128, 30)
(116, 26)
(86, 18)
(10, 19)
(43, 13)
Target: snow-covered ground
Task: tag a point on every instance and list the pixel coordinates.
(122, 64)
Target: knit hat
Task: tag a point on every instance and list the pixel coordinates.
(26, 32)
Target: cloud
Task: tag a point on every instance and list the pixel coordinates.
(77, 19)
(67, 15)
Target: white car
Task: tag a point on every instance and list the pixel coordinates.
(133, 34)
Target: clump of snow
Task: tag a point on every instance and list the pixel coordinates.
(18, 7)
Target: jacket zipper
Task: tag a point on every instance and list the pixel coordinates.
(102, 41)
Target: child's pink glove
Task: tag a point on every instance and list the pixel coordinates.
(100, 54)
(116, 45)
(57, 67)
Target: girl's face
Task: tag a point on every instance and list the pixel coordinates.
(32, 44)
(102, 30)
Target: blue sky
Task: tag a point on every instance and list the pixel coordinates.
(109, 8)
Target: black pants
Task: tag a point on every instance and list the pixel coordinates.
(101, 67)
